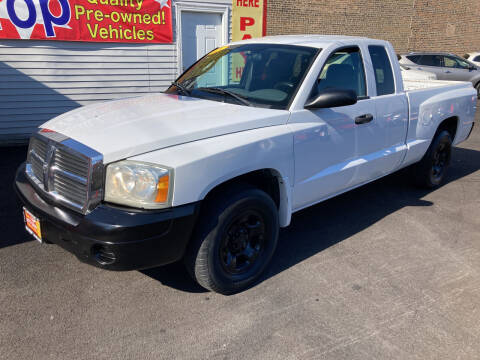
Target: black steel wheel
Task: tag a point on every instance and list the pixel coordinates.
(431, 170)
(243, 242)
(234, 241)
(441, 157)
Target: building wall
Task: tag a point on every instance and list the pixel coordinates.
(439, 25)
(41, 79)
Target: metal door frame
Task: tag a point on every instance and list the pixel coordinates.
(202, 8)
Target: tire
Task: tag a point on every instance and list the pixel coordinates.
(431, 170)
(234, 240)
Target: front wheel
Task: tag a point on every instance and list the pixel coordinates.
(234, 241)
(431, 170)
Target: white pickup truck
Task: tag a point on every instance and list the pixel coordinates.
(211, 169)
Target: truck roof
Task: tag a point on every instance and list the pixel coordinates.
(318, 41)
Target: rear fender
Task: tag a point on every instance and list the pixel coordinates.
(434, 107)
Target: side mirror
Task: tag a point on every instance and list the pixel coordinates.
(332, 98)
(471, 67)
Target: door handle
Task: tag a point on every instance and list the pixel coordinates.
(363, 119)
(448, 72)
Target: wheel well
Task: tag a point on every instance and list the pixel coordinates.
(450, 125)
(265, 180)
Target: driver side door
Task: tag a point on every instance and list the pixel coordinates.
(326, 140)
(456, 70)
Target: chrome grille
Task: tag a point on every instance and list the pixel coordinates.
(71, 163)
(65, 171)
(37, 155)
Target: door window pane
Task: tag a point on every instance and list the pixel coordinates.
(476, 58)
(414, 58)
(462, 64)
(452, 62)
(383, 70)
(449, 62)
(343, 70)
(431, 60)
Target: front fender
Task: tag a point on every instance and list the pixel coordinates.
(200, 166)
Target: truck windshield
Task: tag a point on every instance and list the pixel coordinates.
(262, 75)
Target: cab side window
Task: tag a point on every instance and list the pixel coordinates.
(382, 69)
(449, 62)
(414, 58)
(452, 62)
(431, 60)
(343, 70)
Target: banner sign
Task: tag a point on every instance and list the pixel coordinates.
(140, 21)
(249, 19)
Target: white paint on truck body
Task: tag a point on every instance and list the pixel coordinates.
(315, 154)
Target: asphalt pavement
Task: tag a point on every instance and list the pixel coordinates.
(386, 271)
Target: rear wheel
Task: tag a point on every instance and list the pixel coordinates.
(431, 170)
(234, 240)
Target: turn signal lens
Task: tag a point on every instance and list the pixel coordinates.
(162, 189)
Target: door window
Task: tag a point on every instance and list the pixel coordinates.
(452, 62)
(343, 70)
(383, 70)
(476, 58)
(414, 58)
(431, 60)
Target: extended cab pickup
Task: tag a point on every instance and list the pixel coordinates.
(211, 169)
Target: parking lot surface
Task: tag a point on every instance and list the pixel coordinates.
(387, 271)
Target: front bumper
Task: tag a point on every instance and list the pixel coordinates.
(110, 237)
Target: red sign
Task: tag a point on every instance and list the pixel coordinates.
(143, 21)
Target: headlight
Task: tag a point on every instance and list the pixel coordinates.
(138, 184)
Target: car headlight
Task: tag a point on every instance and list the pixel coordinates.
(138, 184)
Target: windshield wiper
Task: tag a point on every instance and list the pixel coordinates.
(181, 87)
(216, 90)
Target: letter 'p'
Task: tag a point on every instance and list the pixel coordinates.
(50, 20)
(246, 21)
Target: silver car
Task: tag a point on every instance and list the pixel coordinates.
(445, 66)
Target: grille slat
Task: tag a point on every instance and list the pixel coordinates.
(69, 172)
(69, 195)
(64, 191)
(71, 167)
(62, 155)
(75, 186)
(37, 167)
(40, 148)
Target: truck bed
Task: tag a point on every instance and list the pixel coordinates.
(410, 85)
(429, 103)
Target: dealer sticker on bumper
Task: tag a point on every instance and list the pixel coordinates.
(32, 224)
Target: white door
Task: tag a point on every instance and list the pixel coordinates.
(328, 152)
(201, 33)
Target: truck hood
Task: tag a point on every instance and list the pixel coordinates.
(123, 128)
